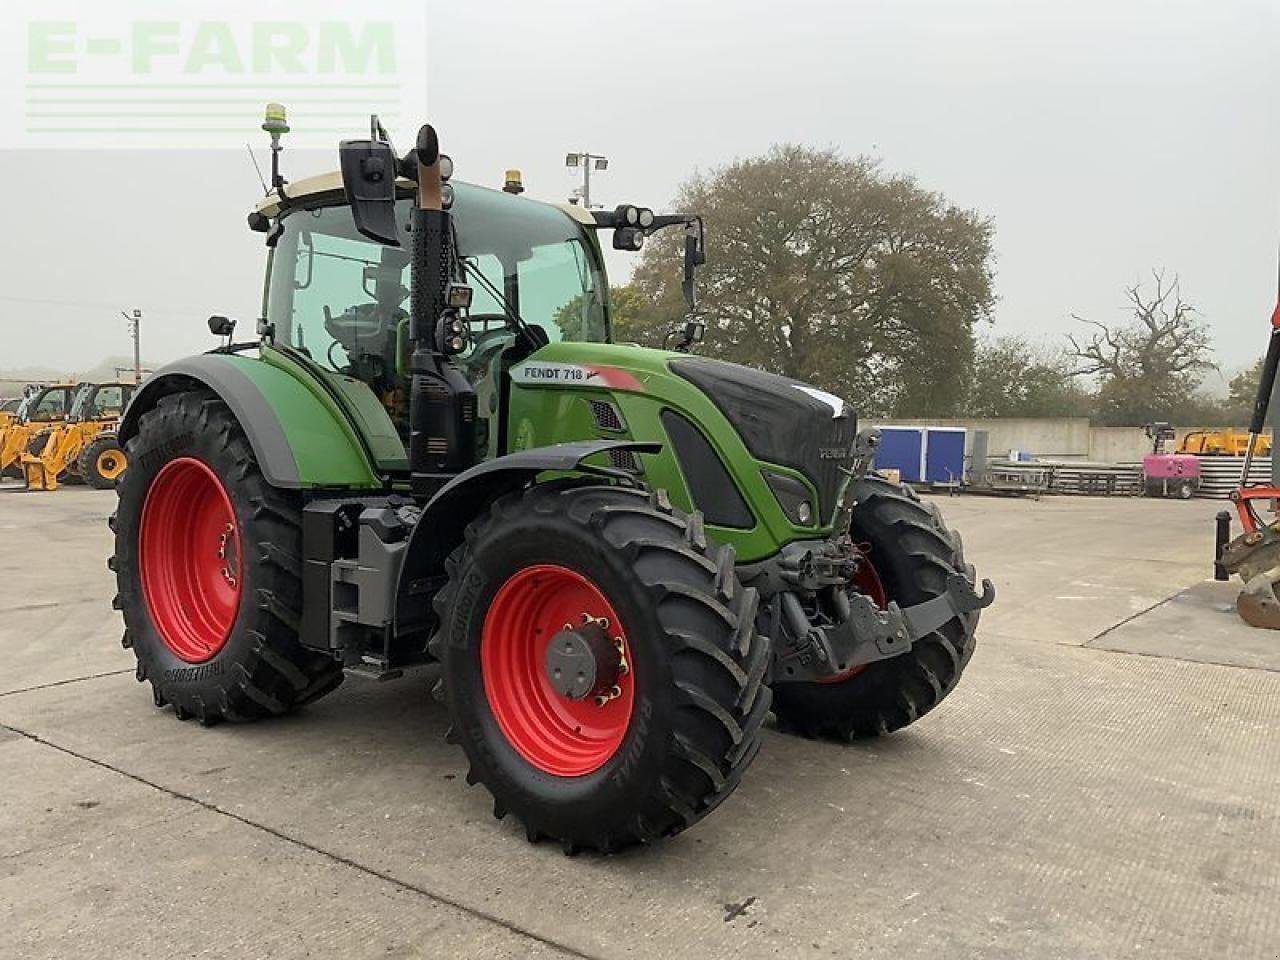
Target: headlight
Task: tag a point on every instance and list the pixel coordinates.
(793, 496)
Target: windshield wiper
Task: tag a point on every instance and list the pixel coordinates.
(518, 322)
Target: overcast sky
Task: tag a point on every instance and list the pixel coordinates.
(1104, 138)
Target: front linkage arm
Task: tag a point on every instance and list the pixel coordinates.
(868, 633)
(861, 632)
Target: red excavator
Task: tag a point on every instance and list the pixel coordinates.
(1255, 554)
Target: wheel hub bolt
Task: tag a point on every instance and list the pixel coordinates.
(584, 661)
(225, 538)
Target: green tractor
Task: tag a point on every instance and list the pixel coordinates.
(619, 560)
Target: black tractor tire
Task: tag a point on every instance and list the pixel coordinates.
(913, 553)
(261, 669)
(89, 465)
(699, 665)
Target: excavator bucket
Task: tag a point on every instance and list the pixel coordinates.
(1258, 604)
(1255, 557)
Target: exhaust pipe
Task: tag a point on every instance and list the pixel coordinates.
(442, 402)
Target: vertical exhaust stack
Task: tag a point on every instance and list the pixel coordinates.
(442, 403)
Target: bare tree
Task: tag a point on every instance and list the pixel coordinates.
(1152, 365)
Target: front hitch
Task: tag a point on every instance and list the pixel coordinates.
(869, 633)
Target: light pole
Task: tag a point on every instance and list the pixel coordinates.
(135, 322)
(585, 159)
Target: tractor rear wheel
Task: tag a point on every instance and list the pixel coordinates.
(206, 561)
(600, 663)
(908, 554)
(101, 462)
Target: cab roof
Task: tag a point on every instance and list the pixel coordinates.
(328, 186)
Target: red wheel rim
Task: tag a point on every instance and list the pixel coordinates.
(563, 737)
(189, 550)
(868, 582)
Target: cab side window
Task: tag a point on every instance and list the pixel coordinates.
(52, 405)
(107, 402)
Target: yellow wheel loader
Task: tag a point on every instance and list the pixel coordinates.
(83, 447)
(43, 408)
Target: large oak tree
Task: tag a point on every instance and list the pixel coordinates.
(828, 269)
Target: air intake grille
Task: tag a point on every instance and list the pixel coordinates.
(626, 460)
(607, 416)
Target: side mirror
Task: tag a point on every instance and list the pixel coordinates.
(369, 180)
(695, 328)
(695, 255)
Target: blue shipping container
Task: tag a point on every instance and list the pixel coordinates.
(902, 449)
(923, 454)
(944, 454)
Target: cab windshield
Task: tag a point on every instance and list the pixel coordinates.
(50, 404)
(340, 297)
(98, 402)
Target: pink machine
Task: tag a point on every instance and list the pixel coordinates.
(1168, 474)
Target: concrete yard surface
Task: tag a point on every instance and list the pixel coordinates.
(1105, 782)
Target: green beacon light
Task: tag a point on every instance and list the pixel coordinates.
(275, 121)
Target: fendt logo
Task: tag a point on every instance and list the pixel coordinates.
(551, 373)
(136, 74)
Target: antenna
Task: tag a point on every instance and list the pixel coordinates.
(261, 179)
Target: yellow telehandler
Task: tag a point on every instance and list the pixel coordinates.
(85, 446)
(41, 409)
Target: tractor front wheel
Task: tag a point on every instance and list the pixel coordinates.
(206, 561)
(600, 664)
(908, 555)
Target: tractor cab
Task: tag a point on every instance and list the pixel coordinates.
(341, 299)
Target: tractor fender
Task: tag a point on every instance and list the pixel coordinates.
(441, 525)
(319, 449)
